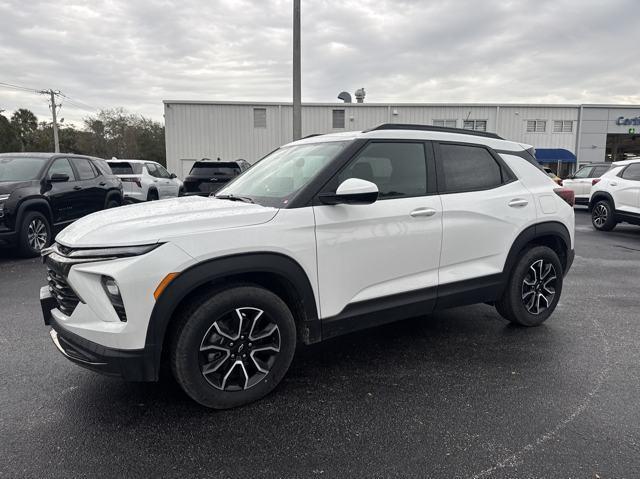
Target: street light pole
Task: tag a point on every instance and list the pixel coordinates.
(297, 101)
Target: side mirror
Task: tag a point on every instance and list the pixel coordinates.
(172, 176)
(59, 178)
(353, 191)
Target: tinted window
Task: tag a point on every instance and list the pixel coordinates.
(62, 166)
(20, 168)
(125, 168)
(598, 171)
(215, 169)
(632, 172)
(102, 166)
(153, 171)
(84, 168)
(467, 168)
(584, 172)
(398, 169)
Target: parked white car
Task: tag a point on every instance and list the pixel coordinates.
(616, 197)
(583, 179)
(324, 236)
(145, 180)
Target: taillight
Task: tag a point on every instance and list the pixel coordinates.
(595, 181)
(566, 194)
(133, 180)
(559, 181)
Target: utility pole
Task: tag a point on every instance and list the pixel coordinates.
(297, 101)
(53, 106)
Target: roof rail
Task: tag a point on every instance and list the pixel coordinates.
(443, 129)
(311, 136)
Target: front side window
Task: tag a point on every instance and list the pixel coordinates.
(583, 172)
(62, 166)
(162, 173)
(398, 169)
(468, 168)
(20, 168)
(274, 180)
(632, 172)
(84, 168)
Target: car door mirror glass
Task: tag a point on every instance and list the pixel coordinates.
(352, 191)
(59, 178)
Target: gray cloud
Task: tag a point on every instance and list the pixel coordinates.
(136, 53)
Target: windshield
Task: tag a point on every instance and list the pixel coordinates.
(215, 169)
(275, 179)
(20, 169)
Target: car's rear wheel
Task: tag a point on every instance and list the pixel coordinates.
(234, 347)
(35, 234)
(603, 216)
(112, 203)
(152, 195)
(534, 288)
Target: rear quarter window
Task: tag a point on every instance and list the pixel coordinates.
(468, 168)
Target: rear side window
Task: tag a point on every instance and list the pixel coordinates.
(598, 171)
(468, 168)
(85, 169)
(398, 169)
(102, 166)
(125, 168)
(632, 172)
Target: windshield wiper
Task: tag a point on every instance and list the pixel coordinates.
(244, 199)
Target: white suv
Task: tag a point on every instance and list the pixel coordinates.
(145, 180)
(616, 197)
(583, 179)
(322, 237)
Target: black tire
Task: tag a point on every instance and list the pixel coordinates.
(521, 302)
(603, 217)
(206, 324)
(181, 192)
(152, 195)
(112, 203)
(35, 234)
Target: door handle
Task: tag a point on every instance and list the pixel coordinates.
(102, 183)
(613, 183)
(423, 212)
(518, 203)
(77, 188)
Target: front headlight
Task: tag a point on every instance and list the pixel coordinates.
(115, 252)
(3, 198)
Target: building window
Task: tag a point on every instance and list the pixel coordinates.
(445, 123)
(562, 126)
(477, 125)
(259, 117)
(536, 126)
(337, 119)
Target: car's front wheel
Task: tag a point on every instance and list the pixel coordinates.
(534, 288)
(603, 216)
(234, 347)
(35, 234)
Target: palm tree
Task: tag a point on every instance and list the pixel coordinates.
(24, 123)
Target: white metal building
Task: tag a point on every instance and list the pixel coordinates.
(249, 130)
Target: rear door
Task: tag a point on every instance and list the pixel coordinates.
(65, 196)
(626, 189)
(92, 194)
(386, 250)
(484, 208)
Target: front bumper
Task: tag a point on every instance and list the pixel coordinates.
(131, 365)
(571, 254)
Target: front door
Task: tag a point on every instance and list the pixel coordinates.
(388, 250)
(63, 195)
(626, 189)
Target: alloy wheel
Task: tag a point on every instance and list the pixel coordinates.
(37, 234)
(600, 215)
(239, 349)
(538, 286)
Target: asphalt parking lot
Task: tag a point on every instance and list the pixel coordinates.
(456, 394)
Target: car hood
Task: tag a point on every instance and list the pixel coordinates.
(155, 221)
(8, 187)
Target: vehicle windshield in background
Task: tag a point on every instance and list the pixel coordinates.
(21, 168)
(215, 169)
(275, 179)
(125, 168)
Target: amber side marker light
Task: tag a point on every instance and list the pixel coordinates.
(163, 284)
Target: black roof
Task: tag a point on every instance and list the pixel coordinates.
(44, 155)
(443, 129)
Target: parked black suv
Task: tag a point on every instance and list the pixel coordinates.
(41, 193)
(208, 176)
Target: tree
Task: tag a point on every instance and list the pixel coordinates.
(9, 141)
(25, 124)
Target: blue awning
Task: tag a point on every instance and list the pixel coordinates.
(554, 155)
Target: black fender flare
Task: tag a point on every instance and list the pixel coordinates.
(113, 193)
(27, 205)
(601, 195)
(153, 188)
(217, 269)
(530, 234)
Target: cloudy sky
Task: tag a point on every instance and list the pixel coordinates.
(135, 53)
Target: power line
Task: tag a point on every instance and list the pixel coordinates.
(18, 87)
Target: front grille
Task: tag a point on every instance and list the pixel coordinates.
(65, 296)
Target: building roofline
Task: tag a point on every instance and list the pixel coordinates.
(398, 104)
